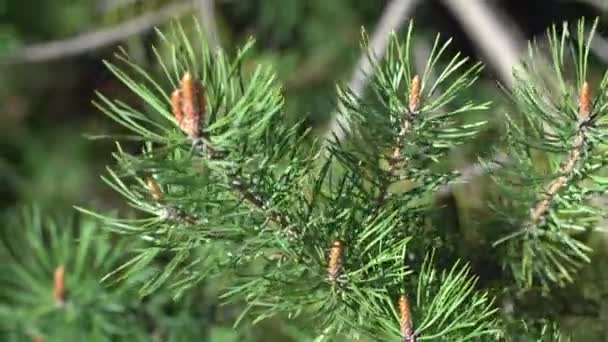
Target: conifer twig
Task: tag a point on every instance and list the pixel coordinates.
(405, 125)
(258, 203)
(189, 106)
(167, 212)
(542, 207)
(408, 118)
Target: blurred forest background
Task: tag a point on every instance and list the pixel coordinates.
(51, 54)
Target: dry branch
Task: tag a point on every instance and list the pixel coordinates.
(97, 39)
(392, 19)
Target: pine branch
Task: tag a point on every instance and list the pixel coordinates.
(53, 271)
(255, 200)
(189, 107)
(580, 140)
(406, 123)
(245, 168)
(543, 219)
(168, 213)
(407, 120)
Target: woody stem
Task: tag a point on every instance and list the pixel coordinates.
(540, 210)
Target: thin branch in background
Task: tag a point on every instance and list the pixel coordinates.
(206, 10)
(600, 5)
(502, 46)
(105, 6)
(496, 38)
(97, 39)
(392, 19)
(422, 53)
(470, 172)
(599, 47)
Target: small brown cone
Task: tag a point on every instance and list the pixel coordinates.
(155, 191)
(415, 94)
(584, 108)
(334, 265)
(405, 318)
(59, 285)
(189, 106)
(176, 106)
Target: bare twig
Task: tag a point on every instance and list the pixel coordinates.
(206, 10)
(497, 39)
(422, 53)
(600, 5)
(104, 6)
(473, 171)
(599, 47)
(96, 39)
(392, 19)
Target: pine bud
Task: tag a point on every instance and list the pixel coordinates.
(154, 189)
(415, 94)
(59, 285)
(585, 101)
(176, 106)
(189, 106)
(334, 267)
(405, 319)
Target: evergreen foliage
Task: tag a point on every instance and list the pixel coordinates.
(337, 234)
(562, 123)
(255, 197)
(78, 305)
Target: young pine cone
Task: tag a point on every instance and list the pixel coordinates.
(189, 106)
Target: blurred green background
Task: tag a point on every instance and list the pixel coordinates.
(46, 111)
